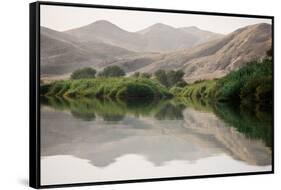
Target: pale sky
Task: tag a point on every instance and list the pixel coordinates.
(63, 18)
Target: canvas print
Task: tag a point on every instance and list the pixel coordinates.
(131, 94)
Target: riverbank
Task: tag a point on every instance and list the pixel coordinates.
(251, 84)
(103, 87)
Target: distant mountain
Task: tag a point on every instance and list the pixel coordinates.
(62, 53)
(164, 38)
(156, 38)
(201, 35)
(212, 59)
(104, 31)
(219, 57)
(102, 43)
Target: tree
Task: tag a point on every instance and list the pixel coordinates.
(142, 75)
(170, 78)
(145, 75)
(181, 84)
(175, 77)
(112, 71)
(84, 73)
(162, 77)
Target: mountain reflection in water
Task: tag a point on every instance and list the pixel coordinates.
(103, 131)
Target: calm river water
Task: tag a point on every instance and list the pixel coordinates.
(90, 140)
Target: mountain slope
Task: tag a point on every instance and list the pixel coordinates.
(104, 31)
(62, 53)
(164, 38)
(156, 38)
(201, 35)
(216, 58)
(242, 46)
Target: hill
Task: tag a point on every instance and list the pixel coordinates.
(215, 58)
(62, 53)
(156, 38)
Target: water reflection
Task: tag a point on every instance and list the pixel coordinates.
(255, 122)
(114, 110)
(164, 131)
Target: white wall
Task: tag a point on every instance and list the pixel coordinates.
(14, 93)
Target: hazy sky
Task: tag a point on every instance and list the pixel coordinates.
(62, 18)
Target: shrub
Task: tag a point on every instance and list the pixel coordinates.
(112, 71)
(181, 84)
(176, 91)
(257, 89)
(162, 77)
(84, 73)
(264, 92)
(170, 78)
(45, 88)
(146, 75)
(197, 90)
(107, 87)
(132, 90)
(229, 87)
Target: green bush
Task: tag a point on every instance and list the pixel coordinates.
(57, 88)
(132, 90)
(112, 71)
(84, 73)
(180, 84)
(229, 87)
(264, 92)
(106, 87)
(176, 90)
(170, 78)
(45, 88)
(198, 90)
(251, 83)
(257, 90)
(146, 75)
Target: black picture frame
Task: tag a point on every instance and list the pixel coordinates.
(34, 97)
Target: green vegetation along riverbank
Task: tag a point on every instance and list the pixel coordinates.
(102, 87)
(251, 84)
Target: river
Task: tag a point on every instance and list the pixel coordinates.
(91, 140)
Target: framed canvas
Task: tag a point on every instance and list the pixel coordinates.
(126, 94)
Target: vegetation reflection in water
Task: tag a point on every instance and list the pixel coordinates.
(253, 123)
